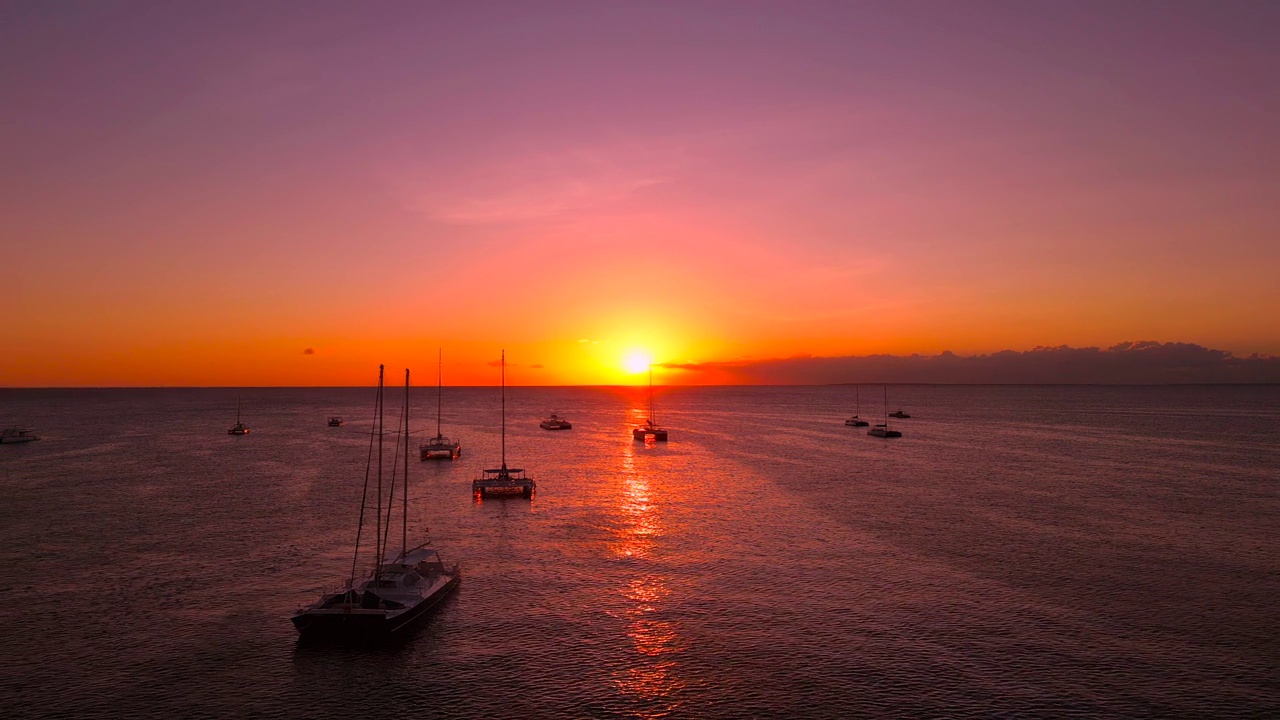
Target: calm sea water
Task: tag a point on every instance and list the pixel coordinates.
(1021, 552)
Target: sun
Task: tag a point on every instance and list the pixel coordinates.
(637, 361)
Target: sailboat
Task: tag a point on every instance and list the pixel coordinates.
(402, 585)
(503, 480)
(239, 428)
(855, 421)
(882, 430)
(649, 429)
(440, 447)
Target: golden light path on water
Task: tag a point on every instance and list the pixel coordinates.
(652, 679)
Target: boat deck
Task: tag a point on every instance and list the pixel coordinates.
(503, 481)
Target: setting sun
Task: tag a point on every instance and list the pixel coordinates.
(636, 361)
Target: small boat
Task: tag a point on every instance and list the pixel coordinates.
(882, 430)
(17, 435)
(856, 421)
(503, 480)
(440, 447)
(899, 414)
(555, 422)
(403, 585)
(239, 428)
(650, 429)
(335, 421)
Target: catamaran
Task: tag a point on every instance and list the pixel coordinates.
(402, 585)
(856, 421)
(649, 429)
(239, 428)
(882, 429)
(440, 447)
(503, 480)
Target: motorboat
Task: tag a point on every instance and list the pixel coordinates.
(899, 414)
(335, 422)
(555, 422)
(17, 435)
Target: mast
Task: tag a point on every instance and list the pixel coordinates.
(504, 409)
(237, 409)
(439, 389)
(364, 494)
(652, 423)
(379, 541)
(404, 523)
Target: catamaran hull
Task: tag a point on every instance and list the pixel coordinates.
(641, 434)
(356, 622)
(441, 454)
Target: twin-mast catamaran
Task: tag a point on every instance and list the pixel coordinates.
(402, 585)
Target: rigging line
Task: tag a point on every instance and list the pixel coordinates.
(391, 494)
(364, 494)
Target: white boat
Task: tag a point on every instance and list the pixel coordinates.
(555, 422)
(856, 421)
(239, 428)
(440, 447)
(882, 430)
(402, 585)
(17, 435)
(650, 429)
(503, 480)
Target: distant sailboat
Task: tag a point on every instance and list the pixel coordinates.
(402, 586)
(503, 480)
(855, 421)
(883, 430)
(649, 429)
(239, 428)
(440, 447)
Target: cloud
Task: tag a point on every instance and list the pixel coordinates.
(536, 366)
(309, 351)
(1139, 363)
(521, 184)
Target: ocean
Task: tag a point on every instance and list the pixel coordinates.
(1022, 551)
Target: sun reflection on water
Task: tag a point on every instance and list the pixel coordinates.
(651, 678)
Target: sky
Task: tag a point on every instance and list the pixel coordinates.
(238, 194)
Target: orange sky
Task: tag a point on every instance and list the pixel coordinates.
(201, 194)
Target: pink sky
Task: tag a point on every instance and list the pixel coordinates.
(192, 195)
